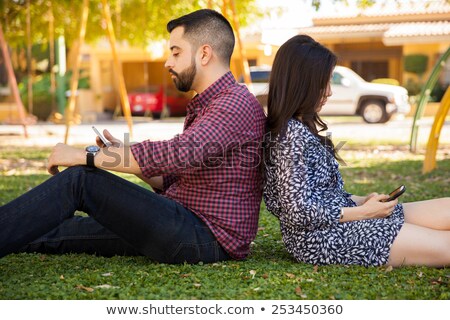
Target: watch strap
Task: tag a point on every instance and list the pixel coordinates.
(90, 159)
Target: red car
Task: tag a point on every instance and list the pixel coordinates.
(150, 101)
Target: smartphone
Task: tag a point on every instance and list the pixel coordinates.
(396, 193)
(105, 142)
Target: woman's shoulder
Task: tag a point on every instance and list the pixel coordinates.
(296, 129)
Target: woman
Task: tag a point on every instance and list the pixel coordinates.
(320, 222)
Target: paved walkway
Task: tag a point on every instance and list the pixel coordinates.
(352, 130)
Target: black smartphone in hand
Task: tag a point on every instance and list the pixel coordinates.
(396, 193)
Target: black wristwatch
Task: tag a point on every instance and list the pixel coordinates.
(91, 151)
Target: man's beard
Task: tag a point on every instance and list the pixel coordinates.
(183, 80)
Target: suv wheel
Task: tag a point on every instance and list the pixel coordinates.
(374, 111)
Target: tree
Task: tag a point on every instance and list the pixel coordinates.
(136, 21)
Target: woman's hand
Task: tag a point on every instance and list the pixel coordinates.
(114, 141)
(374, 208)
(369, 207)
(360, 200)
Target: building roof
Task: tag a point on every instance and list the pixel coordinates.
(438, 28)
(388, 8)
(390, 33)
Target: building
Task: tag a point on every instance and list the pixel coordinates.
(374, 42)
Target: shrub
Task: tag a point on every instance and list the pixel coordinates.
(390, 81)
(413, 87)
(416, 63)
(42, 99)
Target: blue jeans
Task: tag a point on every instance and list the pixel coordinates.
(124, 219)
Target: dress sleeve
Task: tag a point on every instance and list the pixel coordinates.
(303, 204)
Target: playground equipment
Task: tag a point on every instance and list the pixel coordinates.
(424, 97)
(439, 119)
(429, 163)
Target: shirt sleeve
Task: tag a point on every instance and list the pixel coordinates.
(302, 205)
(223, 125)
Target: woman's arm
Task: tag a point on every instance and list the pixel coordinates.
(305, 207)
(302, 205)
(358, 199)
(373, 208)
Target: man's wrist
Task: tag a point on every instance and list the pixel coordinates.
(91, 152)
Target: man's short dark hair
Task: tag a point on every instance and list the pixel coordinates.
(207, 27)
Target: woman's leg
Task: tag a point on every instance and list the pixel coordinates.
(434, 214)
(417, 245)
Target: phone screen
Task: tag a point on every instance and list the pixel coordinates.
(105, 142)
(396, 193)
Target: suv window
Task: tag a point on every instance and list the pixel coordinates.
(336, 78)
(260, 76)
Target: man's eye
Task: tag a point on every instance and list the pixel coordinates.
(175, 54)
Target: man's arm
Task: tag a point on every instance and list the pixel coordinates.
(119, 159)
(155, 182)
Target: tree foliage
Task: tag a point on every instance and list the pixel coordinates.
(136, 21)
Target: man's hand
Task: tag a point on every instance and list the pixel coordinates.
(114, 141)
(64, 155)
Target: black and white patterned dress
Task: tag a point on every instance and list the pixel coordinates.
(304, 189)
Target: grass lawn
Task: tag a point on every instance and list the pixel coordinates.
(268, 273)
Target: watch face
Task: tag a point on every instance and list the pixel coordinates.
(93, 149)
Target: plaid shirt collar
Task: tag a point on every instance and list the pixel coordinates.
(201, 100)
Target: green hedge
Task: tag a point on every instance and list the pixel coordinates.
(416, 63)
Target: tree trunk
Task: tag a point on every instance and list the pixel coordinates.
(12, 81)
(118, 67)
(51, 47)
(76, 69)
(29, 60)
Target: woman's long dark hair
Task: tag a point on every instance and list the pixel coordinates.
(300, 75)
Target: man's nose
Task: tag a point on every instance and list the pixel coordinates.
(168, 64)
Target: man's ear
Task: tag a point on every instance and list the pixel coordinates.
(205, 54)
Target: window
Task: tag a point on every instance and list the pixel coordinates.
(260, 76)
(336, 78)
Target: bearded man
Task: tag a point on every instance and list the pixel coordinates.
(207, 181)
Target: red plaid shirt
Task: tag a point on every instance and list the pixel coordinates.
(212, 168)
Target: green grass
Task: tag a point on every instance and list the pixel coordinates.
(268, 273)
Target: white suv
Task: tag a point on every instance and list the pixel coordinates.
(375, 102)
(352, 95)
